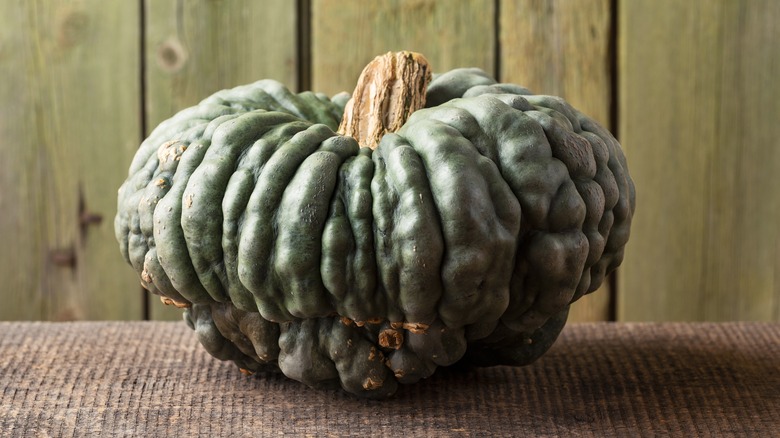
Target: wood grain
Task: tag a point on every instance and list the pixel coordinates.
(698, 116)
(69, 120)
(195, 48)
(347, 34)
(153, 379)
(562, 48)
(699, 111)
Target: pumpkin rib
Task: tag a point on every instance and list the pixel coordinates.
(238, 193)
(133, 243)
(469, 110)
(353, 286)
(459, 117)
(471, 233)
(201, 220)
(301, 217)
(142, 208)
(171, 209)
(409, 240)
(172, 250)
(152, 271)
(337, 240)
(258, 236)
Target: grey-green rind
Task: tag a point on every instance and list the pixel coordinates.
(464, 237)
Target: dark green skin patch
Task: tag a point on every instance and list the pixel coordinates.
(462, 239)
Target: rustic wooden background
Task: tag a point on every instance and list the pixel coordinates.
(691, 89)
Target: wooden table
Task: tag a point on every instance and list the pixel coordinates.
(606, 379)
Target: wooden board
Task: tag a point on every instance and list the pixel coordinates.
(347, 34)
(69, 120)
(562, 48)
(698, 116)
(598, 380)
(196, 48)
(699, 108)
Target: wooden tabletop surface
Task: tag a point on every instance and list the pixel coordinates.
(602, 379)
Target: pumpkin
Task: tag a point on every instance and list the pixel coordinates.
(450, 222)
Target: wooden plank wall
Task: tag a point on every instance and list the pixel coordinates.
(700, 120)
(69, 104)
(689, 88)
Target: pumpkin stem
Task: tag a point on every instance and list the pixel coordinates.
(389, 90)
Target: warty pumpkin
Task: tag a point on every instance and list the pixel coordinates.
(461, 238)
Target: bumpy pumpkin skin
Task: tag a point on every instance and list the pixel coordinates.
(464, 237)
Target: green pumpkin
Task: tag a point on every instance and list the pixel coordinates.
(463, 238)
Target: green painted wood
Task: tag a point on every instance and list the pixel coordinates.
(69, 120)
(196, 48)
(562, 48)
(347, 34)
(699, 109)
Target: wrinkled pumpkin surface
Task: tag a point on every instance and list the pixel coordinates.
(463, 237)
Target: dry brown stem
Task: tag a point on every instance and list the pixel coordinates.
(389, 90)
